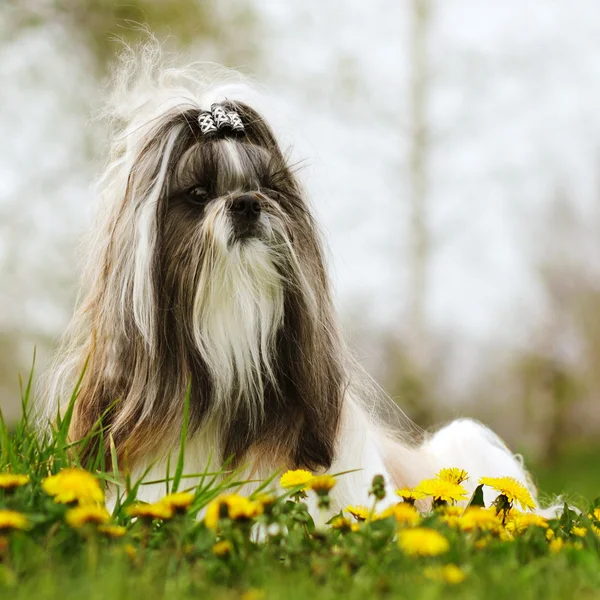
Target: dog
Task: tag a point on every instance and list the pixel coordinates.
(204, 279)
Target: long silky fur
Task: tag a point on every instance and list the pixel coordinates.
(170, 297)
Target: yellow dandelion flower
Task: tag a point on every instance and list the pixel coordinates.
(556, 545)
(253, 594)
(265, 499)
(422, 541)
(480, 519)
(514, 490)
(596, 530)
(550, 534)
(451, 511)
(409, 494)
(10, 481)
(451, 574)
(222, 548)
(360, 513)
(403, 512)
(73, 485)
(10, 519)
(157, 510)
(506, 536)
(88, 513)
(293, 479)
(232, 506)
(579, 531)
(113, 531)
(596, 514)
(451, 514)
(322, 484)
(518, 522)
(341, 523)
(178, 501)
(453, 475)
(482, 543)
(442, 491)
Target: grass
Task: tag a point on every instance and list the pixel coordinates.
(177, 556)
(574, 474)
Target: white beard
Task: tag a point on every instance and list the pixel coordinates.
(238, 310)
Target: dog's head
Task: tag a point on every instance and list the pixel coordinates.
(207, 270)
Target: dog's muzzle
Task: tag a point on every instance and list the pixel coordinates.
(245, 213)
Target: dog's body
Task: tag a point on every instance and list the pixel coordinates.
(206, 270)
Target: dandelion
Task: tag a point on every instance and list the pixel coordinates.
(556, 545)
(403, 513)
(73, 485)
(519, 522)
(480, 519)
(360, 513)
(442, 491)
(10, 481)
(293, 479)
(130, 550)
(10, 519)
(253, 594)
(222, 548)
(579, 531)
(88, 513)
(232, 506)
(482, 543)
(266, 500)
(422, 541)
(453, 475)
(378, 488)
(409, 495)
(341, 523)
(178, 502)
(511, 491)
(113, 531)
(596, 514)
(148, 512)
(451, 574)
(322, 484)
(451, 515)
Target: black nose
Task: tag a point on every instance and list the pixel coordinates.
(246, 207)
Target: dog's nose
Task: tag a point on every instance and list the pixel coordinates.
(246, 206)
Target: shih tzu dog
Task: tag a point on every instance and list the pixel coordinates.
(205, 276)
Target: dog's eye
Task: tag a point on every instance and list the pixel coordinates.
(273, 194)
(197, 194)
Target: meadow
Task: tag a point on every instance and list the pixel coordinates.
(58, 540)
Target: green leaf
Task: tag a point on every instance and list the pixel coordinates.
(184, 430)
(477, 497)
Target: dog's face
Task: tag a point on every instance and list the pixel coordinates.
(212, 274)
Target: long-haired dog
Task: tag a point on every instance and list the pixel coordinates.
(205, 275)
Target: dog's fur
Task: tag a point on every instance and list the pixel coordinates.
(176, 292)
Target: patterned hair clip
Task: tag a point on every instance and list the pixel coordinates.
(236, 121)
(206, 122)
(220, 117)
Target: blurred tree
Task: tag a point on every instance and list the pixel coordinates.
(102, 25)
(419, 140)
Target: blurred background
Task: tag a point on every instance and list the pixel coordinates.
(451, 149)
